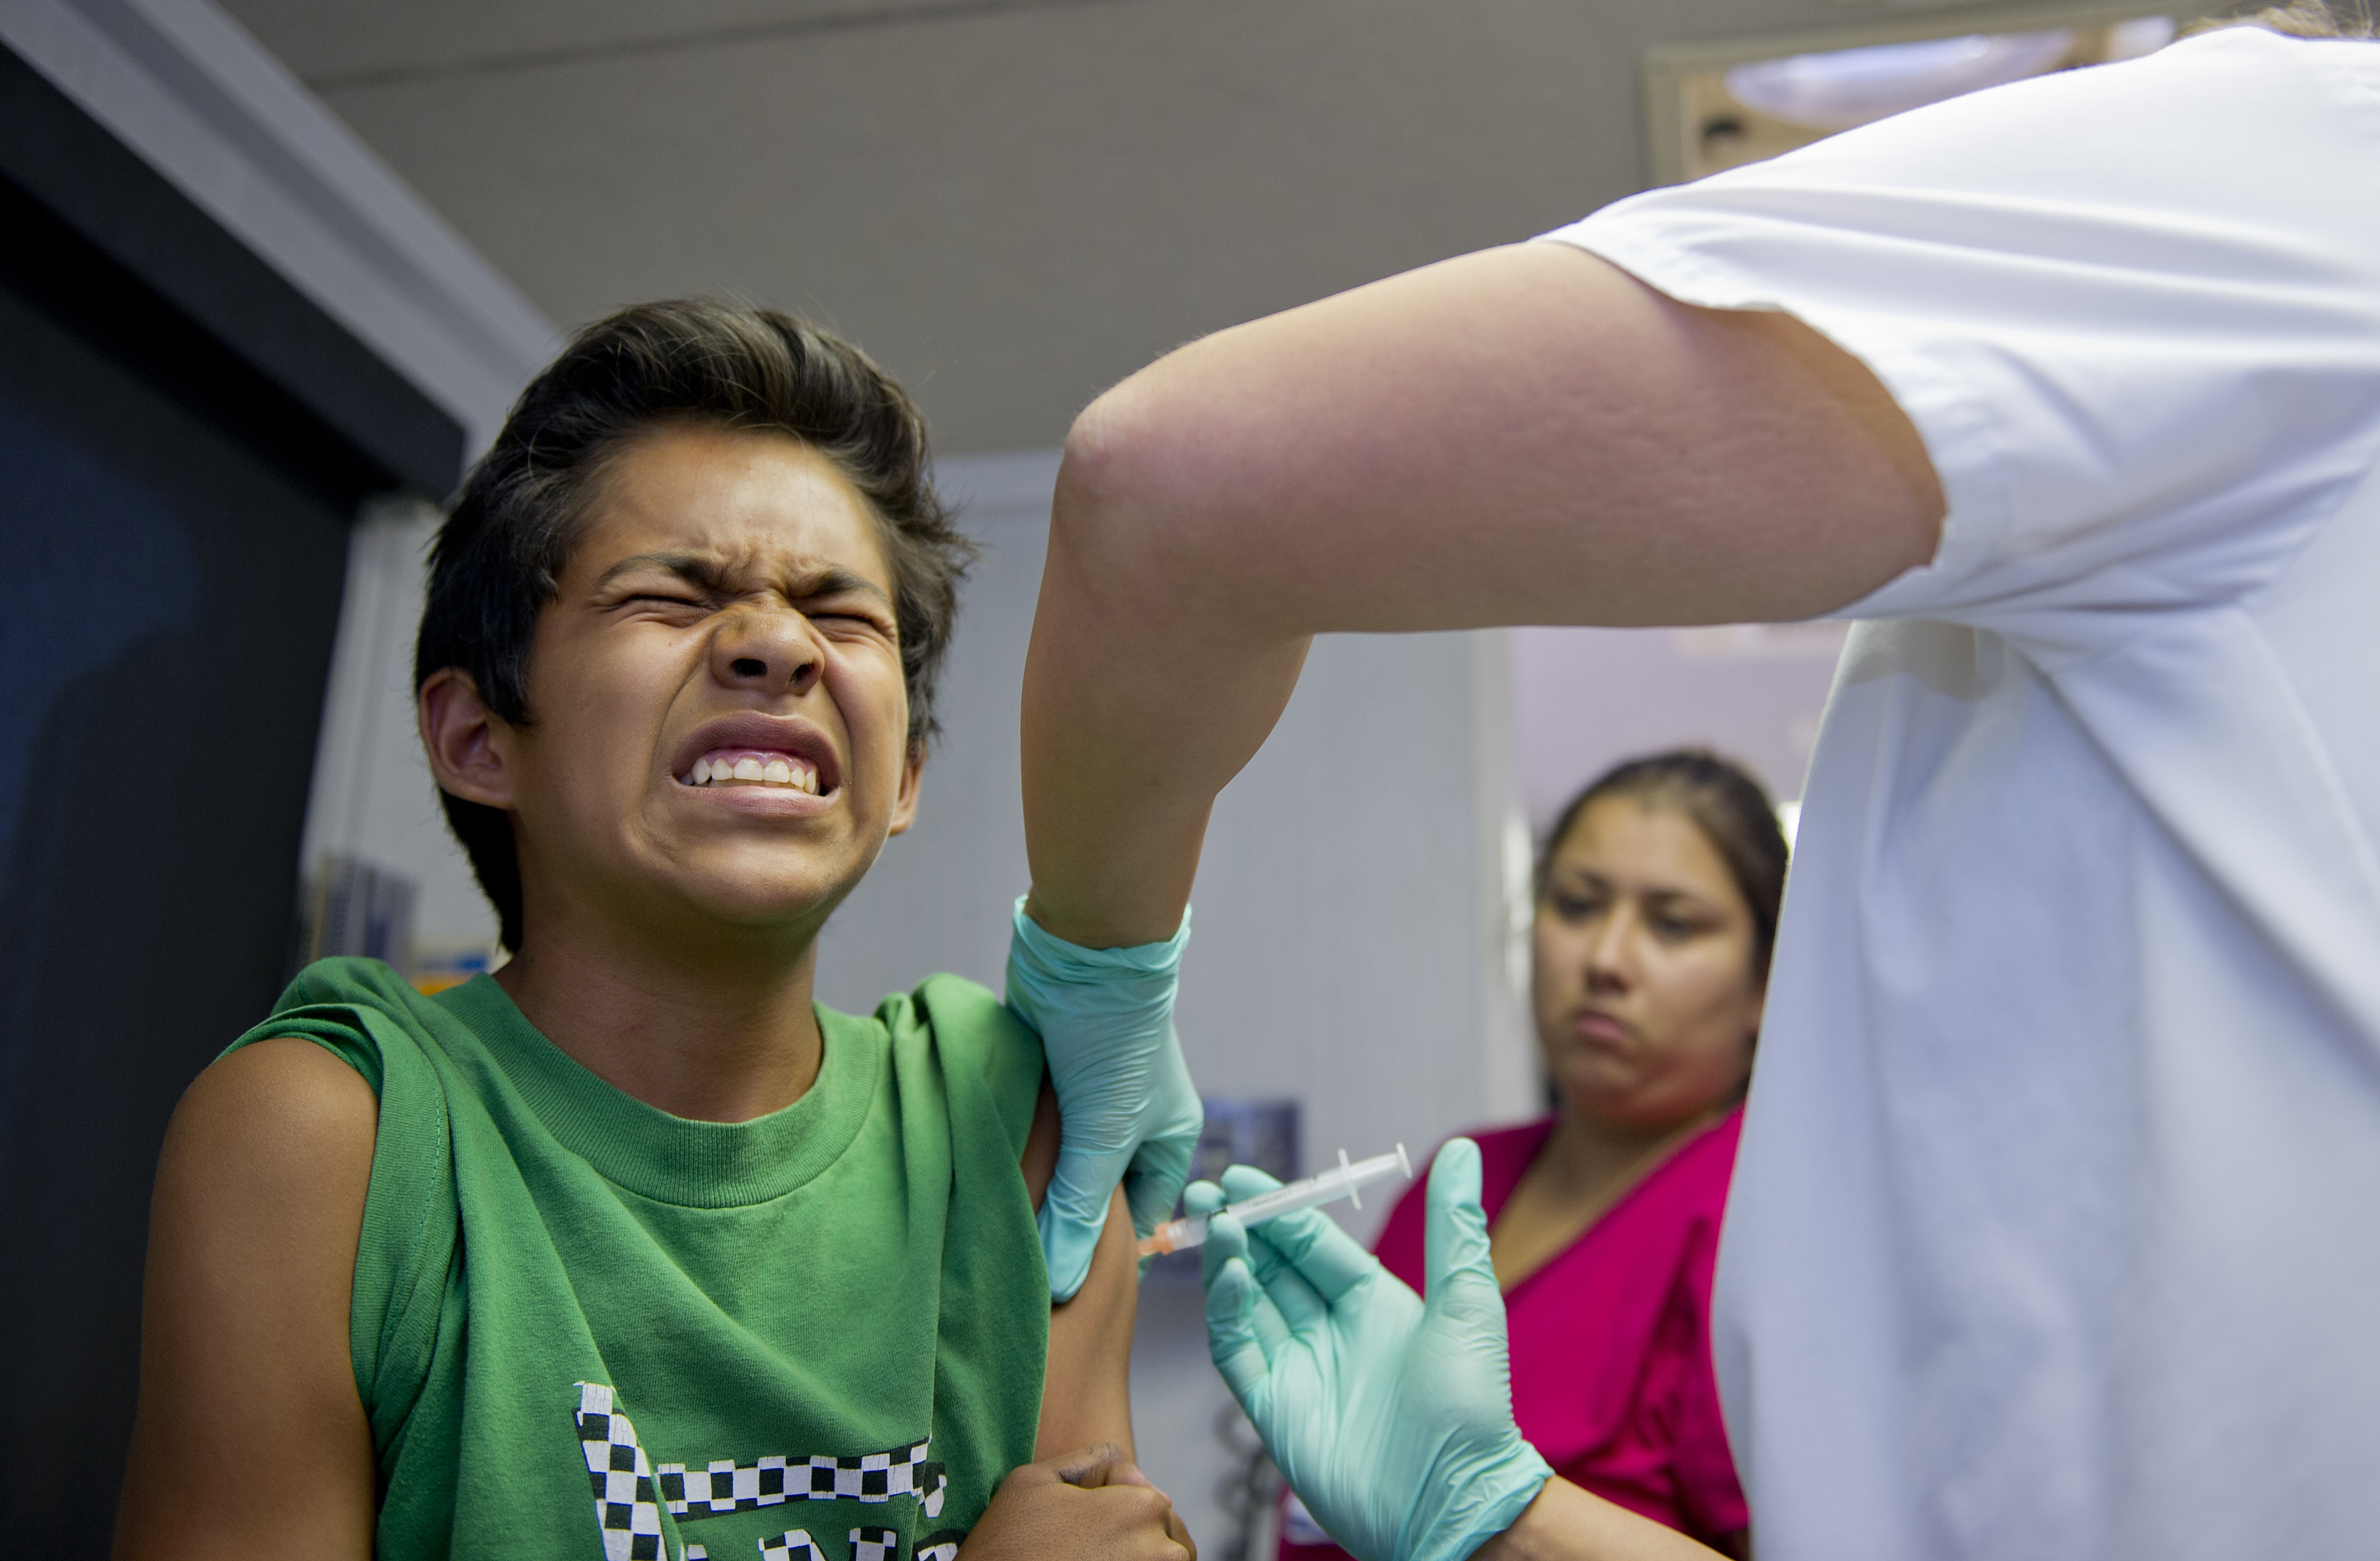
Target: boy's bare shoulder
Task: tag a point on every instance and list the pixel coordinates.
(279, 1103)
(271, 1141)
(247, 1391)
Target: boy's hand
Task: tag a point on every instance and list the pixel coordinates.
(1105, 1017)
(1093, 1505)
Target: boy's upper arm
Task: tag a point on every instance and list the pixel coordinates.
(1086, 1382)
(250, 1438)
(1085, 1386)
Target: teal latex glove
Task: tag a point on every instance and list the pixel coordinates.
(1391, 1417)
(1106, 1020)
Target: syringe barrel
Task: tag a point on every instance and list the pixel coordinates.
(1326, 1188)
(1190, 1232)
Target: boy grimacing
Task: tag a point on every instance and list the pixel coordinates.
(631, 1250)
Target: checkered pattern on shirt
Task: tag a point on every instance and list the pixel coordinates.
(626, 1506)
(794, 1544)
(942, 1545)
(724, 1486)
(875, 1544)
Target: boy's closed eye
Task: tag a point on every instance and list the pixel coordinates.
(848, 618)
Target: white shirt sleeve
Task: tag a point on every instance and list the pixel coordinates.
(2142, 351)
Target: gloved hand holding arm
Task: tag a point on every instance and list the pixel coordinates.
(1125, 1097)
(1391, 1417)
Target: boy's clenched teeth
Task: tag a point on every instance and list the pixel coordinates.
(754, 767)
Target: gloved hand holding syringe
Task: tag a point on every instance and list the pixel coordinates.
(1331, 1185)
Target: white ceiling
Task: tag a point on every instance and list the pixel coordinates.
(1012, 203)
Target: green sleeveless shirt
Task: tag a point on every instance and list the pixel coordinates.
(818, 1336)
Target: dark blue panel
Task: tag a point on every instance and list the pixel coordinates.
(171, 593)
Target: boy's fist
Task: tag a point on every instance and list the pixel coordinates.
(1093, 1505)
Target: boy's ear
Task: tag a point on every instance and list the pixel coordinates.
(464, 740)
(905, 806)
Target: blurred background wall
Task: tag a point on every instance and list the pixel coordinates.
(1011, 204)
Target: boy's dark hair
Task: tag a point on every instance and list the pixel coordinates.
(503, 547)
(1725, 803)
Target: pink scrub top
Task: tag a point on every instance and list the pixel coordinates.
(1612, 1360)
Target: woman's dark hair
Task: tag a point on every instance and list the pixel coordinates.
(690, 360)
(1726, 805)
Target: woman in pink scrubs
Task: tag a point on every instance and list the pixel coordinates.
(1656, 908)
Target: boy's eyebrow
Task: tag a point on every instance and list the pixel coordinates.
(710, 572)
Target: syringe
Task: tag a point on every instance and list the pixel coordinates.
(1331, 1185)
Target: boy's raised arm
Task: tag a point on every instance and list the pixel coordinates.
(250, 1440)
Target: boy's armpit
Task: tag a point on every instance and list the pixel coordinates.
(250, 1439)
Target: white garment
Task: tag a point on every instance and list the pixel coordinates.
(2056, 1232)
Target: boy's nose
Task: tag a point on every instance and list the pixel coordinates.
(776, 654)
